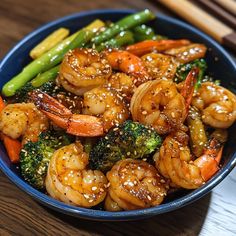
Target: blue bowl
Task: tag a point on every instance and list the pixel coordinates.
(220, 65)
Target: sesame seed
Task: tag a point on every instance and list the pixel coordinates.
(144, 112)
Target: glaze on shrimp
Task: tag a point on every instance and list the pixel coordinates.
(69, 180)
(82, 70)
(134, 184)
(23, 119)
(159, 104)
(175, 161)
(217, 104)
(106, 103)
(160, 66)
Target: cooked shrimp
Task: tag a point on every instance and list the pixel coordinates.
(176, 163)
(76, 124)
(147, 46)
(107, 104)
(160, 66)
(130, 64)
(23, 119)
(82, 70)
(135, 184)
(159, 104)
(122, 83)
(70, 181)
(217, 104)
(110, 204)
(188, 53)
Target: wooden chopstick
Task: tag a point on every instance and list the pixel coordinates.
(219, 12)
(221, 32)
(229, 5)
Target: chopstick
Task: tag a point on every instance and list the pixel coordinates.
(229, 5)
(219, 31)
(219, 12)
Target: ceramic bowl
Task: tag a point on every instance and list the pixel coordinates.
(220, 65)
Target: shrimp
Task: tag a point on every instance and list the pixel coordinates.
(130, 64)
(134, 184)
(188, 53)
(159, 104)
(122, 83)
(75, 124)
(70, 181)
(23, 119)
(160, 66)
(217, 105)
(147, 46)
(82, 70)
(106, 103)
(174, 161)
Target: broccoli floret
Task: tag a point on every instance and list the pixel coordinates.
(183, 70)
(35, 156)
(22, 94)
(128, 140)
(50, 87)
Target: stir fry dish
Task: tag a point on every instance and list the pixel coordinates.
(116, 115)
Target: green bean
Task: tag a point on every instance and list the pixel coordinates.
(143, 32)
(123, 24)
(46, 76)
(122, 39)
(45, 62)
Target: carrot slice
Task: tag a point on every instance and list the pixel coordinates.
(13, 147)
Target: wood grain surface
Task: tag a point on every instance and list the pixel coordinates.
(214, 214)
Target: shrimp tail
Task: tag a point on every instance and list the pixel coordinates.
(47, 103)
(144, 47)
(188, 89)
(75, 124)
(209, 161)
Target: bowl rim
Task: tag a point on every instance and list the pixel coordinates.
(123, 215)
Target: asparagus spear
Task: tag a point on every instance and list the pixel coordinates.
(45, 77)
(123, 24)
(123, 38)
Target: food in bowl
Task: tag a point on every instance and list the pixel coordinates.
(116, 115)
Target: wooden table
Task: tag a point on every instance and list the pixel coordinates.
(21, 215)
